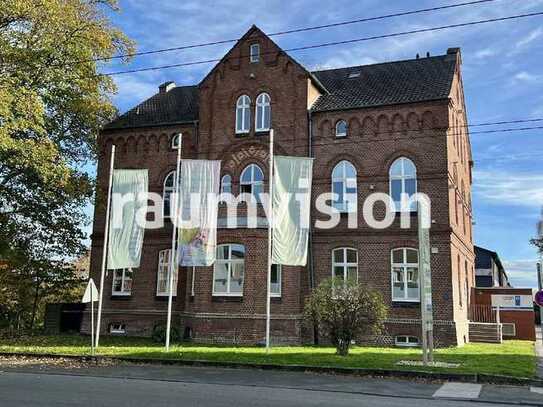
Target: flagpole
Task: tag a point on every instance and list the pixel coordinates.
(92, 320)
(104, 251)
(173, 254)
(270, 225)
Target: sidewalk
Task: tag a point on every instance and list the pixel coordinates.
(539, 351)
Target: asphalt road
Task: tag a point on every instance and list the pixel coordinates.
(21, 389)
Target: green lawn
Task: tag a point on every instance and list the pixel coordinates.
(512, 358)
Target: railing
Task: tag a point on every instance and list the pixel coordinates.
(484, 313)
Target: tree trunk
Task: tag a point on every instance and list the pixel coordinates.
(342, 347)
(35, 305)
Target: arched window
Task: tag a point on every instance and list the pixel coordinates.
(341, 128)
(226, 184)
(403, 182)
(243, 114)
(345, 263)
(344, 186)
(405, 274)
(176, 141)
(168, 189)
(252, 180)
(263, 112)
(229, 270)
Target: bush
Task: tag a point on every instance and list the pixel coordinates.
(344, 310)
(159, 334)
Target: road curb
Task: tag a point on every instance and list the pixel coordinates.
(391, 373)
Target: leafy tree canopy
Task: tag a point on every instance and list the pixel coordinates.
(53, 101)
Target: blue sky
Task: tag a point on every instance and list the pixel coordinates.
(502, 71)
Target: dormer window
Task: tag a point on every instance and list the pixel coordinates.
(255, 53)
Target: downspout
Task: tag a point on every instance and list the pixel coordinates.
(310, 235)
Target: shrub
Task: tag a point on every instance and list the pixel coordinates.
(159, 334)
(344, 310)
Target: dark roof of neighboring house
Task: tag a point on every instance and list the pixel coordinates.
(414, 80)
(409, 81)
(483, 260)
(178, 105)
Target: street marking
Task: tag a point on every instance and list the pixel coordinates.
(536, 390)
(459, 391)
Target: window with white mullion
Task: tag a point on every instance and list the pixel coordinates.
(252, 181)
(164, 264)
(229, 270)
(344, 185)
(122, 282)
(243, 114)
(263, 112)
(345, 263)
(403, 182)
(405, 275)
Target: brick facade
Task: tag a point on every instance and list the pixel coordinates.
(427, 132)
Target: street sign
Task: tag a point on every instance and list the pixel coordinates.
(539, 298)
(91, 292)
(91, 295)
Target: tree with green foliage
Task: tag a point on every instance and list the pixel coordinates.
(344, 310)
(53, 101)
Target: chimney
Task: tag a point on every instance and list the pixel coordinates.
(454, 53)
(427, 55)
(166, 87)
(418, 56)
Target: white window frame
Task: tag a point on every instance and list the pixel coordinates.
(511, 325)
(344, 264)
(263, 102)
(254, 52)
(341, 133)
(252, 182)
(164, 264)
(226, 180)
(407, 343)
(348, 205)
(404, 265)
(176, 141)
(124, 291)
(244, 104)
(167, 192)
(279, 269)
(403, 177)
(117, 328)
(229, 263)
(193, 276)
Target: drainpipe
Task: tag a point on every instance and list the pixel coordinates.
(310, 235)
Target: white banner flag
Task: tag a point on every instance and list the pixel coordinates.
(198, 192)
(129, 195)
(291, 205)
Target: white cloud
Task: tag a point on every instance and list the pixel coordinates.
(521, 273)
(485, 53)
(532, 36)
(524, 76)
(507, 188)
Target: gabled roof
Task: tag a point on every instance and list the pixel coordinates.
(391, 83)
(178, 105)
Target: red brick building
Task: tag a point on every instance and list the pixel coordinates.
(396, 126)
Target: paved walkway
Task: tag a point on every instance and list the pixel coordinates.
(539, 351)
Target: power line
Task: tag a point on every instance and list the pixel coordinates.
(370, 137)
(295, 30)
(329, 44)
